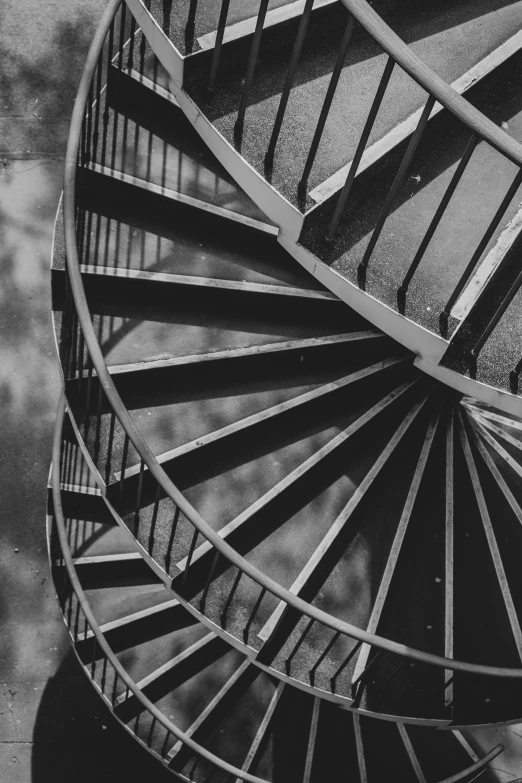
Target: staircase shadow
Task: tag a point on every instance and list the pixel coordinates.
(320, 50)
(441, 149)
(77, 739)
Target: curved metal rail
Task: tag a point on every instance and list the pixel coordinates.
(474, 124)
(80, 620)
(83, 359)
(81, 623)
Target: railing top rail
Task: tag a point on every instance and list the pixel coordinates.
(106, 382)
(115, 663)
(100, 639)
(432, 82)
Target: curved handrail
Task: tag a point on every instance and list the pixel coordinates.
(112, 658)
(147, 456)
(432, 82)
(100, 638)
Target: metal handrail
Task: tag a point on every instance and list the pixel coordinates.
(102, 644)
(95, 628)
(432, 82)
(147, 457)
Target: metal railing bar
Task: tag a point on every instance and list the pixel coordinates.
(216, 56)
(252, 60)
(432, 82)
(140, 444)
(499, 312)
(444, 316)
(327, 103)
(359, 152)
(285, 94)
(98, 637)
(397, 182)
(450, 190)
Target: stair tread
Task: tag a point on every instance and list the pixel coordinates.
(206, 419)
(133, 337)
(432, 37)
(130, 236)
(149, 138)
(245, 475)
(173, 20)
(414, 207)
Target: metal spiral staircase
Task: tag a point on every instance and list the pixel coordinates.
(285, 502)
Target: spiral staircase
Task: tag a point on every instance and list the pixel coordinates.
(285, 505)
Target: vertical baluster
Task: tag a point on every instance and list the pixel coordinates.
(89, 112)
(93, 662)
(296, 53)
(252, 60)
(344, 664)
(137, 507)
(397, 182)
(334, 80)
(65, 345)
(143, 46)
(210, 577)
(74, 340)
(190, 26)
(114, 687)
(154, 518)
(257, 604)
(444, 316)
(76, 624)
(124, 462)
(514, 376)
(151, 731)
(323, 655)
(165, 744)
(106, 106)
(189, 557)
(488, 331)
(172, 537)
(81, 351)
(83, 144)
(130, 59)
(222, 23)
(345, 192)
(96, 134)
(88, 399)
(104, 674)
(108, 461)
(123, 20)
(97, 434)
(359, 685)
(298, 644)
(167, 12)
(224, 613)
(403, 288)
(448, 690)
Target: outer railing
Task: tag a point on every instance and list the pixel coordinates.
(103, 667)
(114, 442)
(111, 679)
(400, 56)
